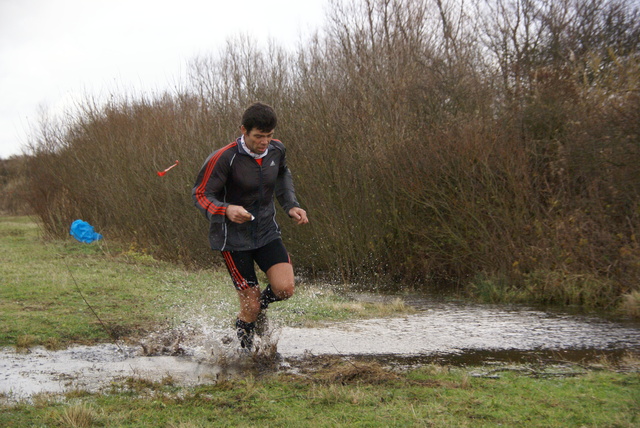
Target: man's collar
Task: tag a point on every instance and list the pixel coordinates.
(244, 147)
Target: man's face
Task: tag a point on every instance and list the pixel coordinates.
(257, 141)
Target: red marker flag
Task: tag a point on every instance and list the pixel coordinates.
(161, 173)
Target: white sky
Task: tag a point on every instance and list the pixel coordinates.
(55, 51)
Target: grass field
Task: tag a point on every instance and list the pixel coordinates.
(340, 393)
(55, 293)
(41, 303)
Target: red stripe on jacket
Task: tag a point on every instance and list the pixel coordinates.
(202, 199)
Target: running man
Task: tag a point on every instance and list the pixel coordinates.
(235, 191)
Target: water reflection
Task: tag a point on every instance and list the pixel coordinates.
(441, 328)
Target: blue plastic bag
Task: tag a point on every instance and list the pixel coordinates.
(83, 232)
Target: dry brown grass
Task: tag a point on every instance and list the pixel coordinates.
(78, 416)
(343, 372)
(630, 305)
(25, 342)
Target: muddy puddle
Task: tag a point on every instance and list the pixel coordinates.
(438, 332)
(457, 329)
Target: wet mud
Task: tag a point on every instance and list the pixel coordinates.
(444, 333)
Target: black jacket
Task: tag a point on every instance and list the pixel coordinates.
(230, 176)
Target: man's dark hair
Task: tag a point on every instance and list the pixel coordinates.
(259, 116)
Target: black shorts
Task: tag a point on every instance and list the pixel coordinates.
(241, 267)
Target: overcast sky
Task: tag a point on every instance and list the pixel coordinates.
(55, 51)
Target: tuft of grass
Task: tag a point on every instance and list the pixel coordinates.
(339, 371)
(397, 306)
(78, 416)
(25, 342)
(492, 290)
(630, 363)
(53, 344)
(630, 305)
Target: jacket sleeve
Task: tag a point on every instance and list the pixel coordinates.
(209, 187)
(285, 192)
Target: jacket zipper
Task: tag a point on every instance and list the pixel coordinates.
(261, 196)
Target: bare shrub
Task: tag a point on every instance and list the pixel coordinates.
(431, 142)
(13, 186)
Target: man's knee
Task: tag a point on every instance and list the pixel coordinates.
(281, 280)
(285, 290)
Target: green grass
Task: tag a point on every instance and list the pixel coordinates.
(339, 393)
(43, 283)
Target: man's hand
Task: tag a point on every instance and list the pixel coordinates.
(298, 215)
(238, 214)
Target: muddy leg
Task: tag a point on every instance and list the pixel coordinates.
(249, 304)
(249, 309)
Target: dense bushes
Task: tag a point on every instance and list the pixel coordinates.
(430, 143)
(13, 186)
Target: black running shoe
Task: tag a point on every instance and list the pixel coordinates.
(246, 340)
(245, 331)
